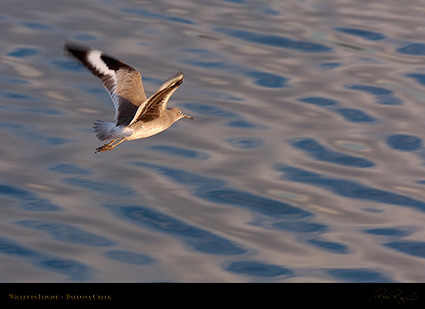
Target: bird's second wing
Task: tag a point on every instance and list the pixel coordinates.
(157, 103)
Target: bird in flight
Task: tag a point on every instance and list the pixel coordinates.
(136, 116)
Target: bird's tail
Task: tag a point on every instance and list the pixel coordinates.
(106, 131)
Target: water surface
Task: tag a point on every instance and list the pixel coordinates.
(305, 161)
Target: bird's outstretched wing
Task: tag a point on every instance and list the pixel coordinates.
(153, 107)
(123, 82)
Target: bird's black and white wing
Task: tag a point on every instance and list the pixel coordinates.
(123, 82)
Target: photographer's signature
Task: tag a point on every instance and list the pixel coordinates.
(398, 296)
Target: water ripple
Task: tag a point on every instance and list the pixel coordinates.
(214, 190)
(355, 115)
(27, 199)
(245, 142)
(75, 270)
(404, 142)
(321, 153)
(253, 202)
(349, 188)
(415, 49)
(360, 275)
(364, 34)
(24, 52)
(36, 25)
(180, 152)
(258, 269)
(130, 257)
(415, 248)
(67, 233)
(393, 232)
(159, 16)
(319, 101)
(383, 96)
(198, 239)
(109, 188)
(349, 114)
(275, 41)
(66, 168)
(331, 246)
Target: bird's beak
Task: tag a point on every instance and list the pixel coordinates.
(187, 117)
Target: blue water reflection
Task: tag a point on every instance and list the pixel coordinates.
(349, 114)
(383, 96)
(36, 25)
(420, 78)
(155, 15)
(275, 41)
(216, 191)
(261, 78)
(355, 115)
(16, 96)
(109, 188)
(348, 188)
(415, 49)
(24, 52)
(302, 226)
(74, 270)
(321, 153)
(67, 233)
(268, 79)
(331, 246)
(197, 238)
(130, 257)
(393, 232)
(245, 142)
(404, 142)
(364, 34)
(258, 269)
(27, 199)
(305, 161)
(251, 201)
(411, 247)
(181, 152)
(209, 110)
(358, 275)
(319, 101)
(10, 247)
(67, 168)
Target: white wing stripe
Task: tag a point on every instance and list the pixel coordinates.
(93, 57)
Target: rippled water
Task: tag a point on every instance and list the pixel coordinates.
(305, 161)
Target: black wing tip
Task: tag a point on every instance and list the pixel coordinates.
(76, 50)
(71, 45)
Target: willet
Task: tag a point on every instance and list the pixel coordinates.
(135, 115)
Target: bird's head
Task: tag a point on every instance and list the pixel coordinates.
(178, 114)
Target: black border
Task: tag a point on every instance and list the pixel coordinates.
(212, 294)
